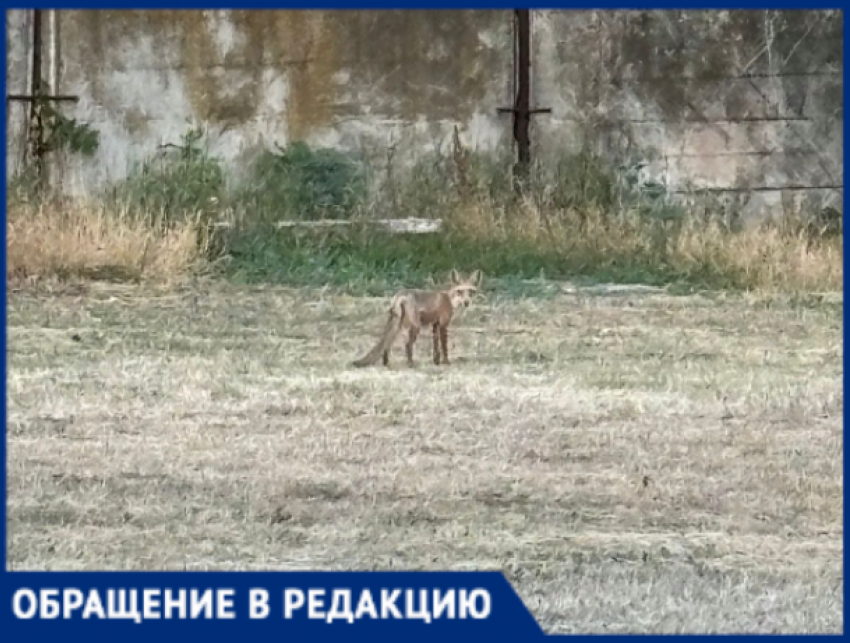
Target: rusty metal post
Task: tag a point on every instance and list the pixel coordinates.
(36, 121)
(39, 96)
(522, 110)
(523, 95)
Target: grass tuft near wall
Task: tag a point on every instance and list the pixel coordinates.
(64, 239)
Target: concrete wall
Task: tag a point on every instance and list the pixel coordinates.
(18, 81)
(361, 80)
(745, 101)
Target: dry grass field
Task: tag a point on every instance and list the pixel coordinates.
(634, 461)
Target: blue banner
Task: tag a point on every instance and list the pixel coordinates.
(368, 606)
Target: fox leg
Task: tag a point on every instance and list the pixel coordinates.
(412, 334)
(385, 356)
(444, 340)
(437, 344)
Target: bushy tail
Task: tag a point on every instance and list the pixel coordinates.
(392, 328)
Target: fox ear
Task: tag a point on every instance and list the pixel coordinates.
(475, 277)
(454, 276)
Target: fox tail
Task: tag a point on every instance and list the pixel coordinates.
(398, 311)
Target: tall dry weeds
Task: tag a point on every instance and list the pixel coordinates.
(83, 239)
(770, 257)
(765, 258)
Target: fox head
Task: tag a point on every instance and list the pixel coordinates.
(462, 290)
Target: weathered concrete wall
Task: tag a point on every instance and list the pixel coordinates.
(350, 79)
(18, 80)
(733, 101)
(741, 102)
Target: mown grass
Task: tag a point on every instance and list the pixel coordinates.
(633, 461)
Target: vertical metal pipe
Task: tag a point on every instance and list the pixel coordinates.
(35, 107)
(37, 16)
(49, 163)
(523, 97)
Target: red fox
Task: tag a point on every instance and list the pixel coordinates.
(413, 309)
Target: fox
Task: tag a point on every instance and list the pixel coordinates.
(413, 309)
